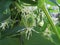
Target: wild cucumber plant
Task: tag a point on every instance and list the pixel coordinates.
(23, 17)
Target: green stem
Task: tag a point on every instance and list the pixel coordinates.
(50, 20)
(18, 6)
(43, 7)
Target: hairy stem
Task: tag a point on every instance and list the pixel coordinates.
(50, 20)
(43, 7)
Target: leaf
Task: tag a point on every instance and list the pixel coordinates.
(54, 1)
(13, 31)
(55, 39)
(4, 4)
(31, 2)
(37, 39)
(49, 2)
(4, 17)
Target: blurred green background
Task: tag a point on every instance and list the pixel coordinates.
(36, 39)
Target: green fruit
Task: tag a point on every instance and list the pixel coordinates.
(30, 22)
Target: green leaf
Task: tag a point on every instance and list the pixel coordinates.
(13, 31)
(4, 4)
(37, 39)
(55, 40)
(4, 17)
(55, 2)
(49, 2)
(31, 2)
